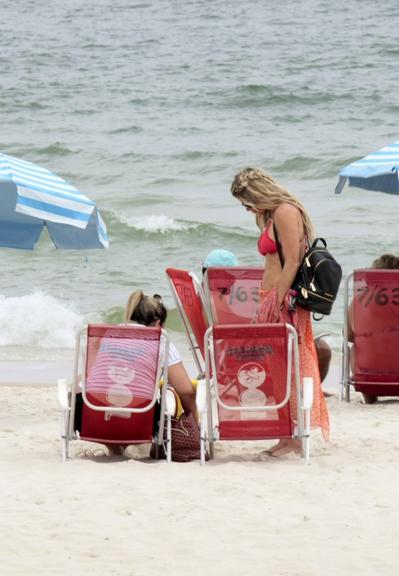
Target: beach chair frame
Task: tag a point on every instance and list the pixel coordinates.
(208, 389)
(196, 343)
(67, 394)
(347, 380)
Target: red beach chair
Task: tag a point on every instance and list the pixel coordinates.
(233, 293)
(121, 367)
(376, 333)
(190, 302)
(255, 368)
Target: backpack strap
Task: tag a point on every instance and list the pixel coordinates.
(280, 249)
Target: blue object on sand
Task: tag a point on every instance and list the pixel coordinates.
(32, 197)
(376, 171)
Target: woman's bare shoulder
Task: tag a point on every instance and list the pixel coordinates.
(286, 210)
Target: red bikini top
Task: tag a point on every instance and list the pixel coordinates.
(266, 245)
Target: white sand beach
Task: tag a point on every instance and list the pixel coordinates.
(240, 514)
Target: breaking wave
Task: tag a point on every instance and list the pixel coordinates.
(38, 320)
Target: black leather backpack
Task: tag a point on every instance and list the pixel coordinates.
(318, 277)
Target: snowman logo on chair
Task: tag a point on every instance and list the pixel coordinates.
(119, 394)
(252, 375)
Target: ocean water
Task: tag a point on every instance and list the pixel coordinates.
(151, 107)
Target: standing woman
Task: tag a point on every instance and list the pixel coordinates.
(276, 210)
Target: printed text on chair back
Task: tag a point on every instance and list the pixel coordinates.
(190, 302)
(233, 293)
(376, 331)
(121, 370)
(251, 370)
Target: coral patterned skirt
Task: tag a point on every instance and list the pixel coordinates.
(269, 312)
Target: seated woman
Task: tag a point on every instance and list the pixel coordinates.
(384, 262)
(149, 311)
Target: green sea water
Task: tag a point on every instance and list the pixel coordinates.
(151, 107)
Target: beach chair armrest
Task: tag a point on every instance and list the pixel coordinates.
(200, 398)
(63, 393)
(307, 399)
(171, 405)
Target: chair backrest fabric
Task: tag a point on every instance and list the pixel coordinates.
(376, 329)
(190, 307)
(233, 293)
(251, 368)
(123, 365)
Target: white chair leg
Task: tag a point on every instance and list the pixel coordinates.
(307, 403)
(67, 446)
(307, 437)
(171, 408)
(210, 431)
(202, 407)
(64, 402)
(203, 427)
(63, 435)
(168, 438)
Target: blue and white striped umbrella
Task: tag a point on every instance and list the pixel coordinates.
(32, 197)
(376, 171)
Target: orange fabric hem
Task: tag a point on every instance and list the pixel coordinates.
(308, 362)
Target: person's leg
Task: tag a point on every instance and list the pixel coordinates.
(116, 449)
(368, 398)
(77, 424)
(323, 356)
(113, 449)
(285, 447)
(309, 367)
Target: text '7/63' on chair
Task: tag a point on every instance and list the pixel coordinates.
(232, 294)
(371, 365)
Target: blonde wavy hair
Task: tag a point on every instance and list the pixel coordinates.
(145, 310)
(257, 189)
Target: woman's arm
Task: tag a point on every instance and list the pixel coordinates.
(289, 225)
(180, 380)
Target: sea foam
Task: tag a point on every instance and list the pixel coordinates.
(39, 320)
